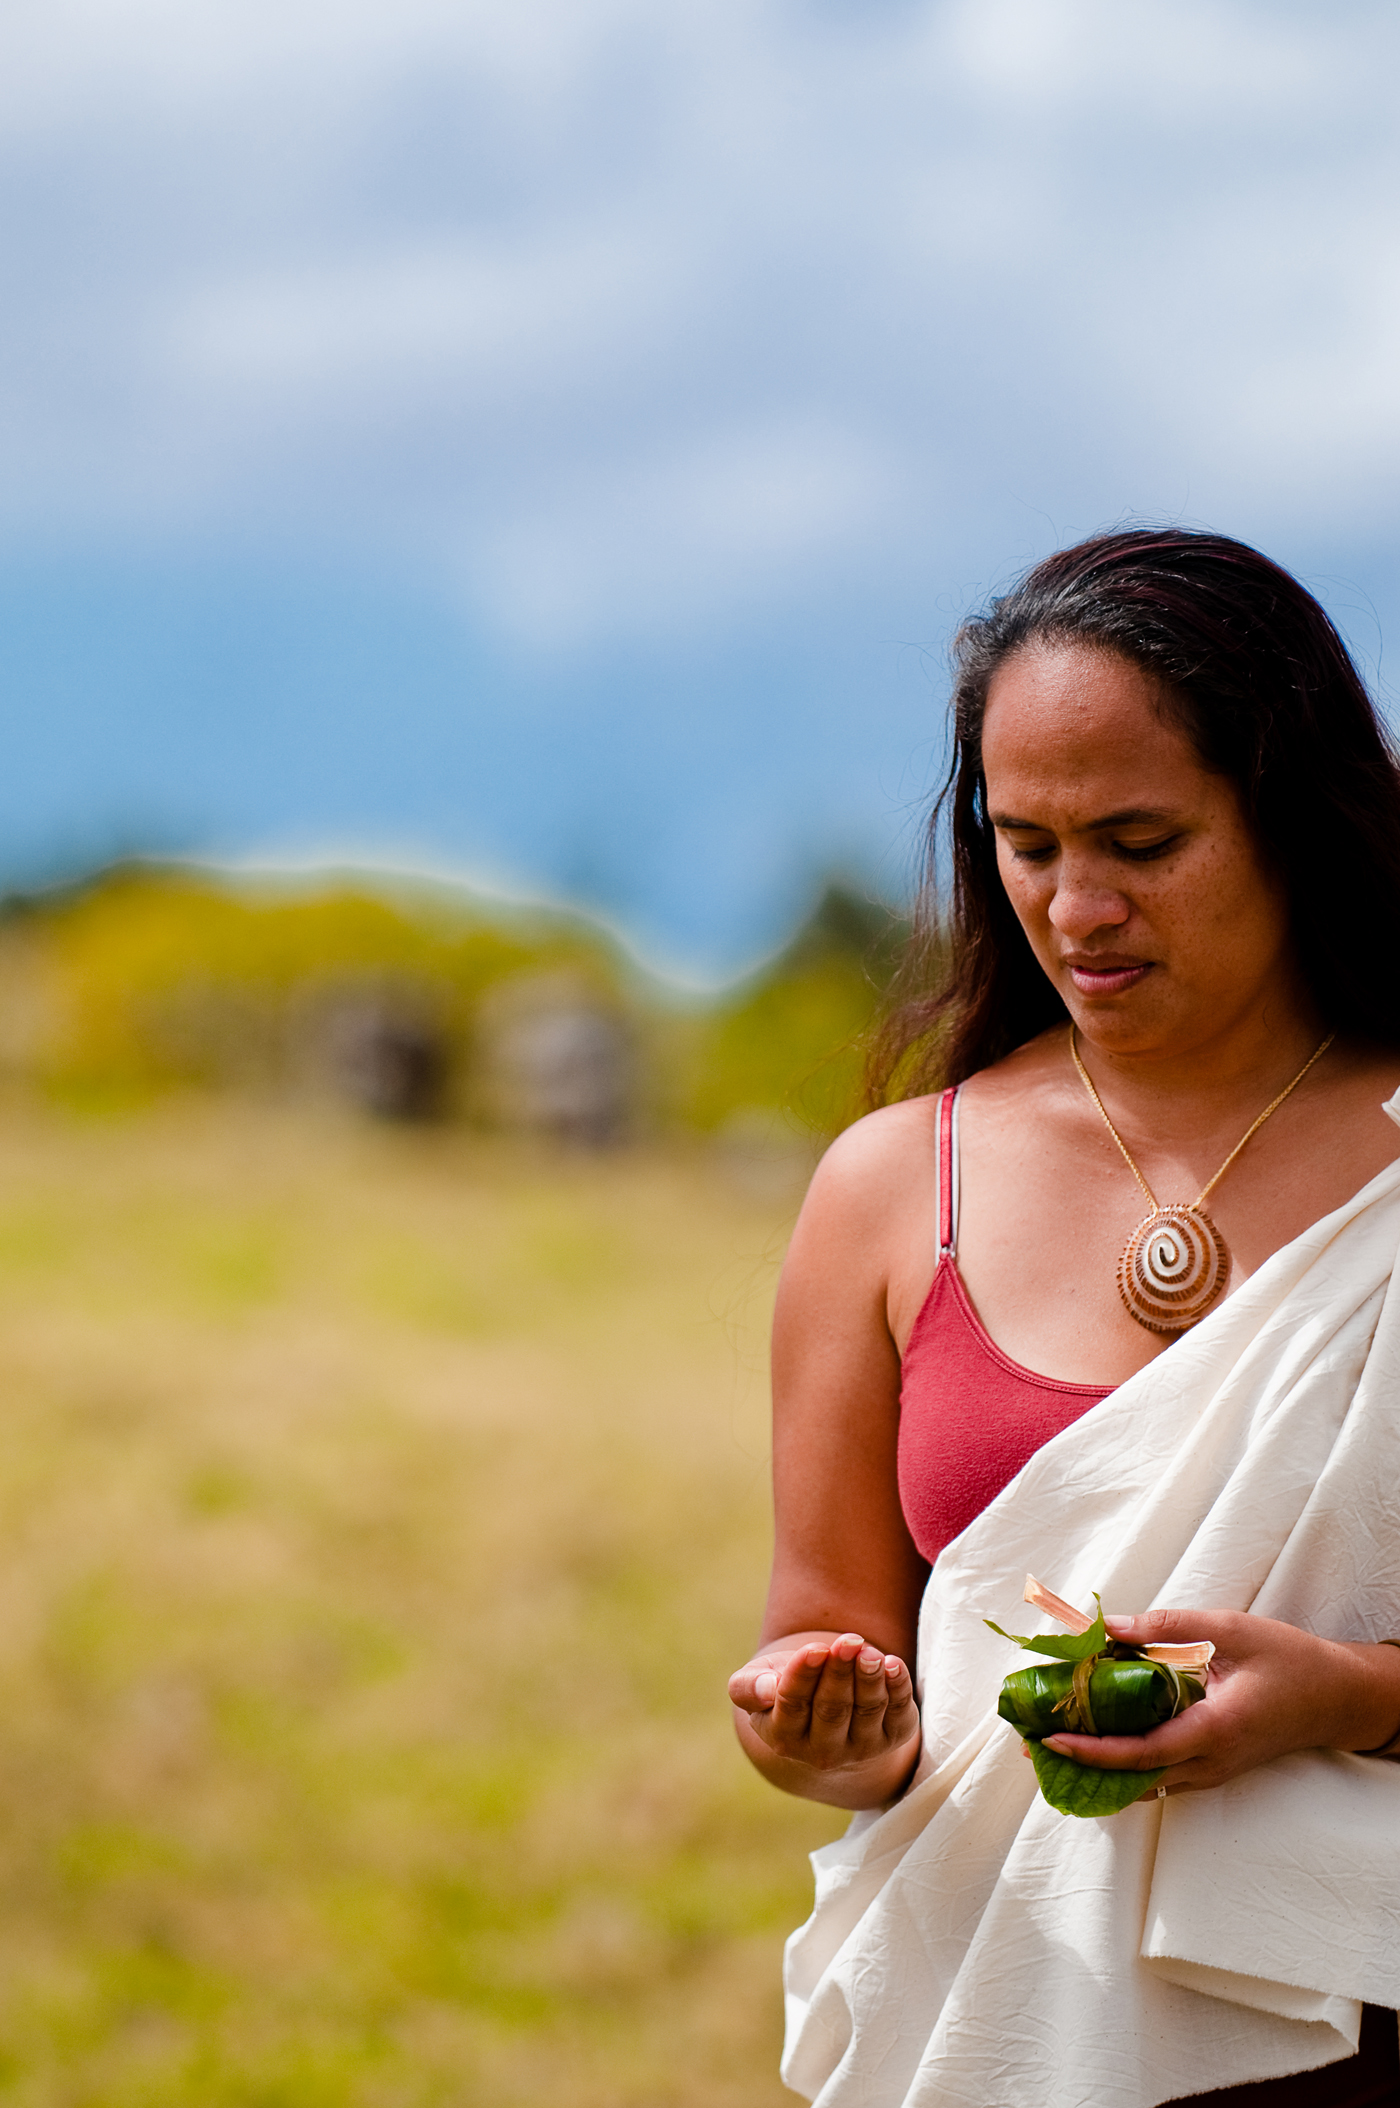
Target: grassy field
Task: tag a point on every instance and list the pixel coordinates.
(380, 1513)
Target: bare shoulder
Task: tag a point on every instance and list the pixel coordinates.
(1370, 1076)
(877, 1163)
(870, 1212)
(874, 1145)
(1357, 1086)
(1029, 1079)
(873, 1192)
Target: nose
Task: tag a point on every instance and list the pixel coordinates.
(1080, 907)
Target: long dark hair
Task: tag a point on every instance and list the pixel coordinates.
(1253, 671)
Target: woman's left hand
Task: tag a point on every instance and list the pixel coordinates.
(1272, 1688)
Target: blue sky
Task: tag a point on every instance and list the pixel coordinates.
(551, 442)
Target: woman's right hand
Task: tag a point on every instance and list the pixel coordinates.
(828, 1717)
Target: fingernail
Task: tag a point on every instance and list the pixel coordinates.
(894, 1667)
(869, 1661)
(1053, 1742)
(766, 1688)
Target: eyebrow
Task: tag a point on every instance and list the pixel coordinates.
(1133, 816)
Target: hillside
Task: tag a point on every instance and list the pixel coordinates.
(423, 1004)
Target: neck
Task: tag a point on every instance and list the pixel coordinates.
(1230, 1070)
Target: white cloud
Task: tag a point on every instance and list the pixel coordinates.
(486, 314)
(641, 314)
(1101, 59)
(722, 521)
(70, 62)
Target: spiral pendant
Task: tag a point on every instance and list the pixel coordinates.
(1172, 1269)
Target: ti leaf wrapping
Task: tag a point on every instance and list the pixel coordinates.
(1125, 1698)
(1092, 1685)
(1080, 1789)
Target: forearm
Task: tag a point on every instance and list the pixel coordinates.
(1365, 1706)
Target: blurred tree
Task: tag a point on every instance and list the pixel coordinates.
(414, 1005)
(789, 1040)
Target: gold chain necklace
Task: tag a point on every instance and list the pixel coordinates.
(1176, 1262)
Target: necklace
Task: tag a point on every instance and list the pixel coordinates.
(1176, 1262)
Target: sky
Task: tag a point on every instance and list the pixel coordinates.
(552, 443)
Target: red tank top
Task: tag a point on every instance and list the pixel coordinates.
(969, 1418)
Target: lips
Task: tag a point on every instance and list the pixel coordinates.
(1108, 976)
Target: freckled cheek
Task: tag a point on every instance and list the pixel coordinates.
(1210, 910)
(1030, 894)
(1218, 892)
(1026, 884)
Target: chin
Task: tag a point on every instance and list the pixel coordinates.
(1121, 1022)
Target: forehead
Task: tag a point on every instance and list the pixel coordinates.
(1077, 726)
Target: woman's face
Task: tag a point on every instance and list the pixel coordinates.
(1131, 867)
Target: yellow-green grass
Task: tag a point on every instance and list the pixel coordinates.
(380, 1513)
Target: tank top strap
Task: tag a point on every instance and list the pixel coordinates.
(948, 1172)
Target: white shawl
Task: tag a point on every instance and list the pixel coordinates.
(970, 1945)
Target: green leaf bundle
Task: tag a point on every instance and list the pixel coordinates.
(1119, 1698)
(1091, 1685)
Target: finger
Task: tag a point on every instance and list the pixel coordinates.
(1175, 1742)
(833, 1700)
(1177, 1627)
(743, 1691)
(1191, 1775)
(901, 1707)
(1107, 1752)
(800, 1674)
(787, 1720)
(869, 1703)
(753, 1689)
(1190, 1778)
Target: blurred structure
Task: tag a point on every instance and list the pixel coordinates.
(558, 1061)
(380, 1045)
(29, 994)
(421, 1007)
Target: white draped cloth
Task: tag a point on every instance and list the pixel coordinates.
(971, 1946)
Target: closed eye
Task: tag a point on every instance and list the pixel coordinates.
(1145, 852)
(1133, 852)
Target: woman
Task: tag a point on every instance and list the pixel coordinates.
(1176, 908)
